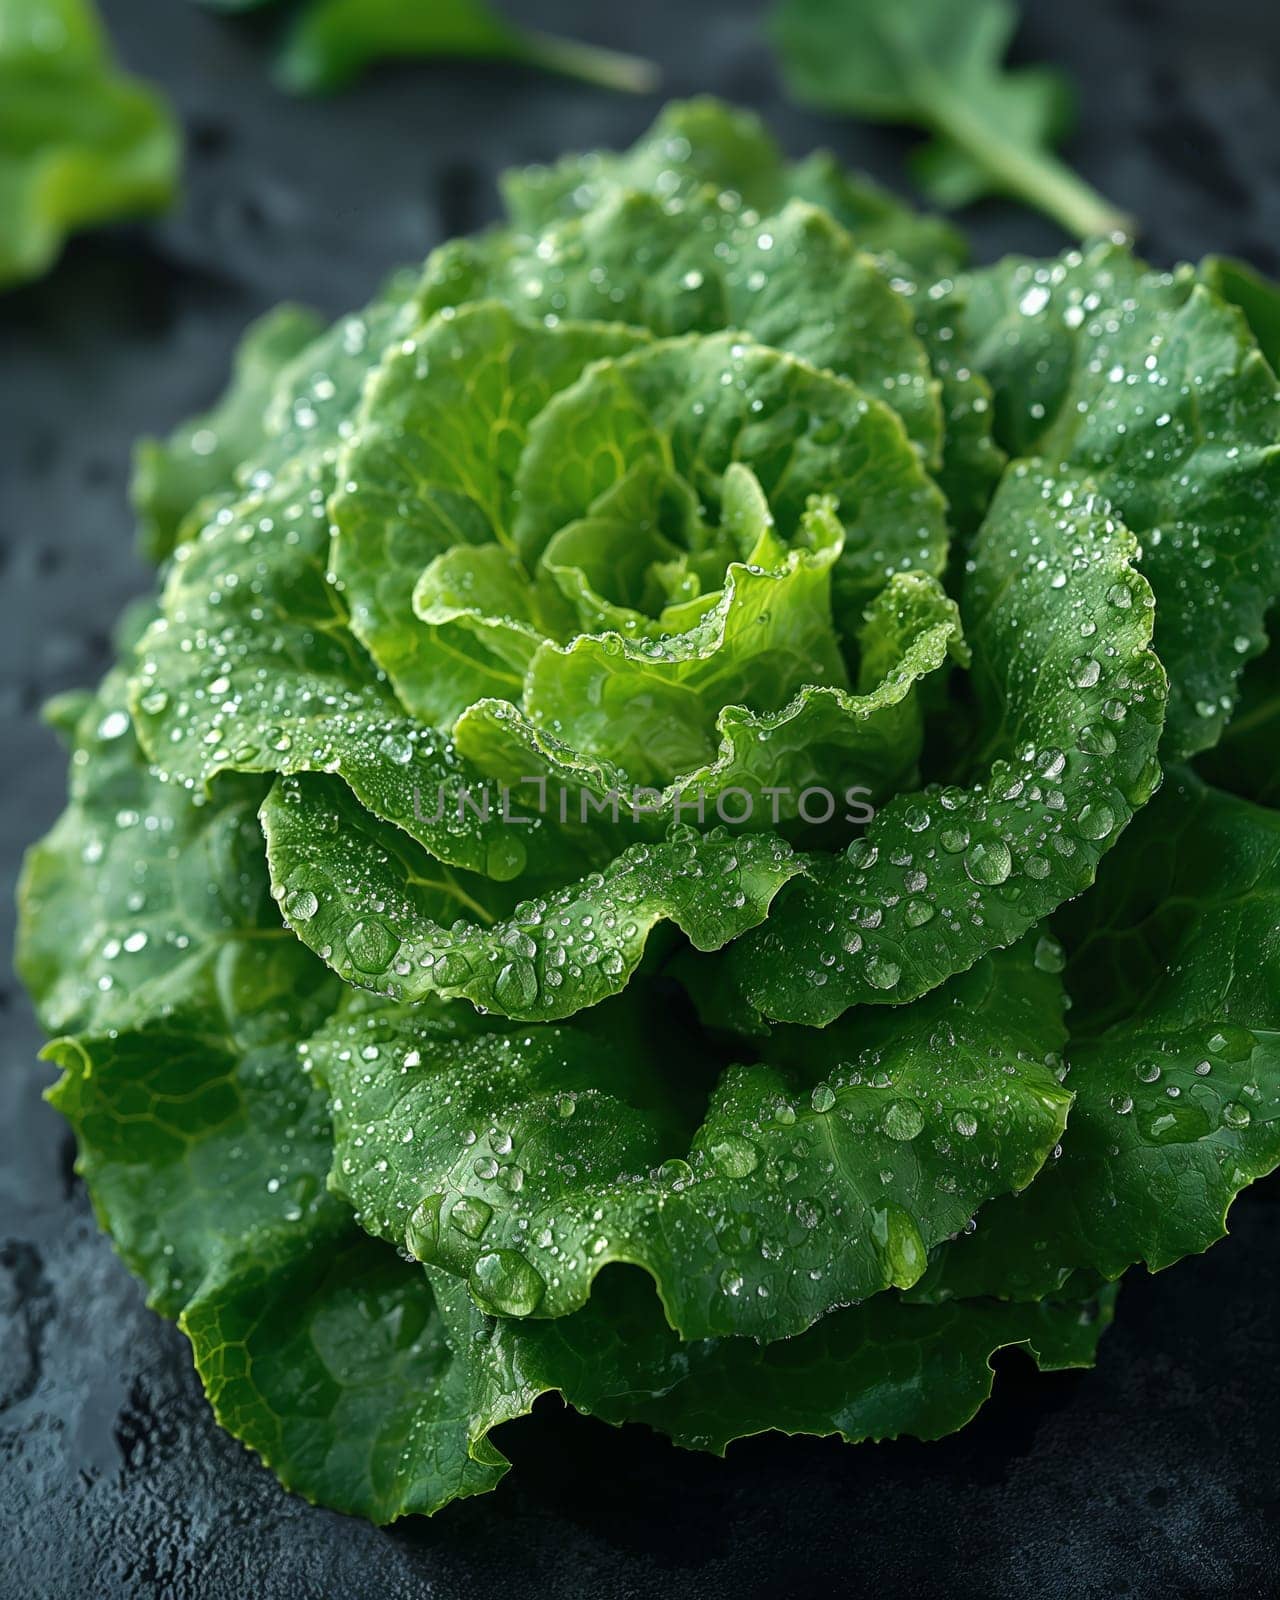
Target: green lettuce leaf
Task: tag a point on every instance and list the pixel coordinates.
(173, 478)
(1244, 761)
(876, 1371)
(1174, 1055)
(1258, 297)
(928, 247)
(131, 878)
(334, 41)
(527, 1161)
(1071, 705)
(374, 907)
(795, 281)
(702, 143)
(699, 404)
(205, 1147)
(446, 423)
(80, 143)
(940, 66)
(821, 746)
(693, 145)
(205, 1143)
(1154, 386)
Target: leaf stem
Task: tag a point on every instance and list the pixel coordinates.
(612, 69)
(1036, 176)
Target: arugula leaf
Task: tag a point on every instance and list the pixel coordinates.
(333, 41)
(939, 66)
(80, 143)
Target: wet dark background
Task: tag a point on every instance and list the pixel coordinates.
(1157, 1474)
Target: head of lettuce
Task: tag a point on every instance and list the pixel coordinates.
(460, 893)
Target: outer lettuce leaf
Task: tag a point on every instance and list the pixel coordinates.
(882, 223)
(127, 851)
(526, 1161)
(1153, 386)
(693, 145)
(172, 478)
(205, 1147)
(205, 1154)
(80, 143)
(1070, 701)
(1244, 762)
(875, 1371)
(972, 462)
(1238, 284)
(317, 392)
(1174, 1055)
(696, 144)
(374, 907)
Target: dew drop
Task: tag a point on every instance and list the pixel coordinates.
(422, 1231)
(505, 1283)
(300, 905)
(516, 986)
(371, 945)
(470, 1215)
(988, 862)
(882, 973)
(903, 1119)
(734, 1156)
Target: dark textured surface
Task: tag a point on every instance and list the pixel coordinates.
(1157, 1474)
